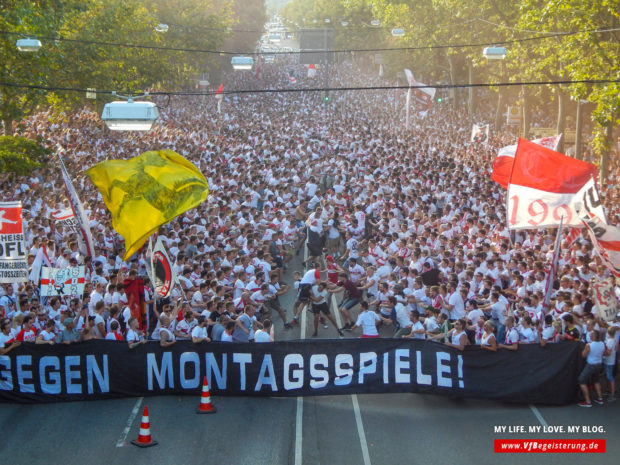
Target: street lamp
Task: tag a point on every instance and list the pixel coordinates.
(497, 53)
(375, 23)
(28, 45)
(398, 32)
(327, 20)
(161, 27)
(129, 115)
(344, 23)
(242, 63)
(494, 53)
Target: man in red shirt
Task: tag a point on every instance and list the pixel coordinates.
(352, 296)
(28, 332)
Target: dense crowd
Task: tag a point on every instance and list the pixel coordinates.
(407, 224)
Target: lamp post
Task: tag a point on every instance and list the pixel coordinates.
(325, 61)
(497, 53)
(242, 63)
(28, 45)
(129, 115)
(578, 125)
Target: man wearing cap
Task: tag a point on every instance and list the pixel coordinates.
(68, 334)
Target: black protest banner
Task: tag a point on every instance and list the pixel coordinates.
(108, 369)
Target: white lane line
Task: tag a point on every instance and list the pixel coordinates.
(360, 429)
(356, 406)
(299, 417)
(539, 416)
(132, 417)
(337, 313)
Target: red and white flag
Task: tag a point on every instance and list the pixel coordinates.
(85, 238)
(480, 134)
(219, 92)
(502, 166)
(605, 238)
(259, 67)
(422, 96)
(311, 71)
(292, 79)
(13, 252)
(40, 260)
(542, 187)
(572, 235)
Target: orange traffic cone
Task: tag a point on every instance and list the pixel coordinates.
(144, 437)
(205, 399)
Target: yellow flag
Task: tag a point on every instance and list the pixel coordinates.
(147, 191)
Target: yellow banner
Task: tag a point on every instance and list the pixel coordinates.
(147, 191)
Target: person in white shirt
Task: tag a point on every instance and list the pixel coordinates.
(417, 329)
(526, 334)
(368, 321)
(199, 333)
(593, 352)
(454, 302)
(183, 329)
(265, 334)
(135, 337)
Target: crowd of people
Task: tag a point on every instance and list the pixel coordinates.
(405, 223)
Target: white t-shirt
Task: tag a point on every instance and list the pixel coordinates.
(199, 332)
(262, 336)
(458, 311)
(416, 327)
(368, 321)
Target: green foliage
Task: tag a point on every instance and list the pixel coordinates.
(21, 156)
(76, 62)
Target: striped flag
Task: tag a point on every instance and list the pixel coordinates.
(542, 187)
(85, 239)
(502, 166)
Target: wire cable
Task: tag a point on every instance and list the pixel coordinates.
(384, 49)
(314, 89)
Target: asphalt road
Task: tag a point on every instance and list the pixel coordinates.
(369, 429)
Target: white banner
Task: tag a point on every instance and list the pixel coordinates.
(605, 299)
(160, 269)
(13, 253)
(533, 208)
(480, 134)
(66, 219)
(85, 239)
(63, 281)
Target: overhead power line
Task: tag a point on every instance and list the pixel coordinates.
(313, 89)
(384, 49)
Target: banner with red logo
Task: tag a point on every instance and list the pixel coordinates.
(63, 281)
(13, 253)
(543, 185)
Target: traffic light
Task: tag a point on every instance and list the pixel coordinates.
(326, 97)
(439, 99)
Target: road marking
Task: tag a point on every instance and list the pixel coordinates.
(298, 425)
(356, 405)
(132, 417)
(360, 429)
(337, 313)
(299, 417)
(539, 416)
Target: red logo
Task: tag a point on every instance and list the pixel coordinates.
(11, 220)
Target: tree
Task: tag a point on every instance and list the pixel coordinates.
(21, 156)
(21, 18)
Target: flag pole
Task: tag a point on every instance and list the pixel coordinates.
(552, 271)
